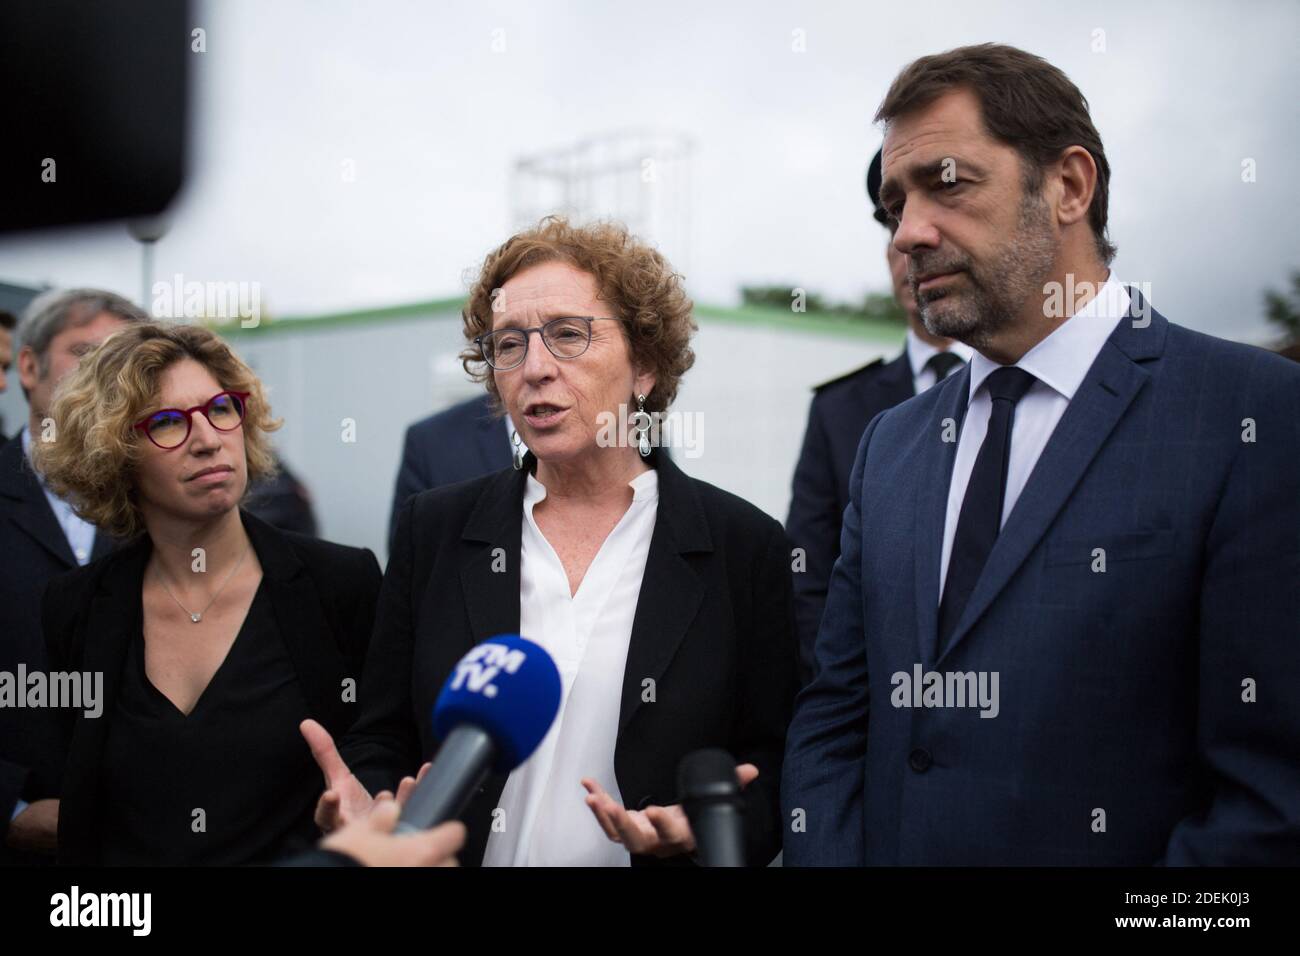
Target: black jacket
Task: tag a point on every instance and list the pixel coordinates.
(33, 549)
(841, 411)
(714, 628)
(323, 595)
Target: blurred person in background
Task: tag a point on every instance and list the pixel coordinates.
(40, 537)
(8, 322)
(282, 500)
(464, 441)
(840, 412)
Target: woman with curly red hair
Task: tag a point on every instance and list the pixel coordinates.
(665, 602)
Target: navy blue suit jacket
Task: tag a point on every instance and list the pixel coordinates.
(456, 444)
(1124, 692)
(840, 412)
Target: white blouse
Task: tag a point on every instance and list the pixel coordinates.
(542, 817)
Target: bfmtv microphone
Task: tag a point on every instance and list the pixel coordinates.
(493, 711)
(706, 780)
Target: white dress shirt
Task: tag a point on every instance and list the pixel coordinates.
(79, 532)
(920, 351)
(546, 818)
(1059, 363)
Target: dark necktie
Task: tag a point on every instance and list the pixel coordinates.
(981, 509)
(942, 363)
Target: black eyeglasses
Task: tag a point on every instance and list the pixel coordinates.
(566, 337)
(170, 427)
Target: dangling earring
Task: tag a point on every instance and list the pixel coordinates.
(517, 446)
(642, 421)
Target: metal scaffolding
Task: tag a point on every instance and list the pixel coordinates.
(641, 178)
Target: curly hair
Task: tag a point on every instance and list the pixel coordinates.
(635, 279)
(95, 448)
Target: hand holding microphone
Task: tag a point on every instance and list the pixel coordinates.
(372, 842)
(494, 710)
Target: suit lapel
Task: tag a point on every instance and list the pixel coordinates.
(937, 459)
(671, 589)
(1103, 397)
(32, 513)
(492, 540)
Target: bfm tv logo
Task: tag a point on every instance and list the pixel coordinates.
(477, 668)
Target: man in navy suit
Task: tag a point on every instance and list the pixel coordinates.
(841, 410)
(455, 444)
(1063, 625)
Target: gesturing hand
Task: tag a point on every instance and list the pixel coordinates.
(654, 831)
(345, 798)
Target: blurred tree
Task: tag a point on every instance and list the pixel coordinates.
(883, 306)
(781, 297)
(874, 305)
(1283, 310)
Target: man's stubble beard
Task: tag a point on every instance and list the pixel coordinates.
(998, 290)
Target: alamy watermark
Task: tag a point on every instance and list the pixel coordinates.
(922, 688)
(76, 690)
(180, 299)
(1061, 299)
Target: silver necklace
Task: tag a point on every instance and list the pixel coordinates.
(197, 616)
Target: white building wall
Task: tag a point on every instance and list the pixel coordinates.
(748, 394)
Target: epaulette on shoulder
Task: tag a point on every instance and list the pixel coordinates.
(848, 375)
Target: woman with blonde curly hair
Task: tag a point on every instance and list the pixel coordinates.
(216, 634)
(664, 601)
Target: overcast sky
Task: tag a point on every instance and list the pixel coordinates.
(432, 118)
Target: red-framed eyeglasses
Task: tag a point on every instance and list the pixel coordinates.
(170, 428)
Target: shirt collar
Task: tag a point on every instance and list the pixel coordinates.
(644, 487)
(1062, 359)
(920, 351)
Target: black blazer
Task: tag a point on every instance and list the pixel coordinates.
(33, 549)
(323, 595)
(714, 628)
(456, 444)
(841, 411)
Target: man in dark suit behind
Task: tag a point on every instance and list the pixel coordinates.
(841, 410)
(40, 538)
(8, 322)
(1062, 628)
(455, 444)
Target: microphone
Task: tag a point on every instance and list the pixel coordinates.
(493, 711)
(706, 780)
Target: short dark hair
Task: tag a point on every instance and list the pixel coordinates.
(8, 320)
(1025, 102)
